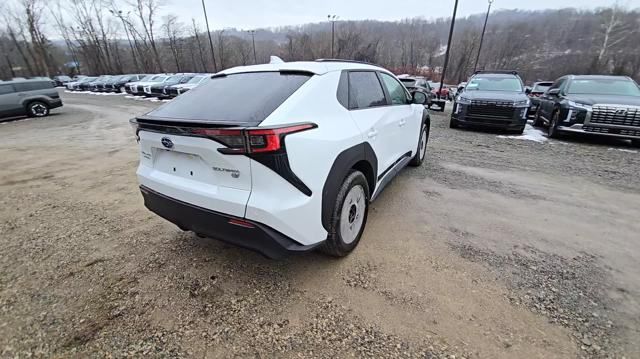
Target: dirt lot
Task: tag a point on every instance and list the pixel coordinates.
(498, 247)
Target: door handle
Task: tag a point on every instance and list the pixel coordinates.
(372, 134)
(402, 122)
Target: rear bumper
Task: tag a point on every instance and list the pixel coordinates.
(259, 237)
(55, 103)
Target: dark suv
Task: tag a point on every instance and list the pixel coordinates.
(592, 104)
(494, 99)
(28, 97)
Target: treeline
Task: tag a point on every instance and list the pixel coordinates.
(44, 38)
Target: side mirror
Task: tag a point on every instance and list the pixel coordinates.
(553, 92)
(419, 98)
(527, 90)
(461, 89)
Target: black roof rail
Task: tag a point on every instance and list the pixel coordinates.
(508, 72)
(349, 61)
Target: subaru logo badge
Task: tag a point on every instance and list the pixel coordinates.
(166, 142)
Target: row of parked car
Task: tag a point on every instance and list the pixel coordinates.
(163, 86)
(584, 104)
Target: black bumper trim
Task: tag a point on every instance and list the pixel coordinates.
(261, 238)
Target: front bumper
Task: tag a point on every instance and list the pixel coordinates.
(258, 237)
(500, 119)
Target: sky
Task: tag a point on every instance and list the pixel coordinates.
(249, 14)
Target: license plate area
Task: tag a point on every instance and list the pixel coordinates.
(184, 165)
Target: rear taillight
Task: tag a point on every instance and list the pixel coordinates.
(252, 140)
(238, 141)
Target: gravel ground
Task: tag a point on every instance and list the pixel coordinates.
(498, 247)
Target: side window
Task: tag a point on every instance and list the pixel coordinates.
(365, 90)
(32, 86)
(5, 89)
(396, 91)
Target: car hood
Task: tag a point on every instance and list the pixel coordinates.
(605, 99)
(494, 95)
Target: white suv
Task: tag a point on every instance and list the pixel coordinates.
(281, 157)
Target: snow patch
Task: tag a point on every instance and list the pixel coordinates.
(530, 133)
(623, 150)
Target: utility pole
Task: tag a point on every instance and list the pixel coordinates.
(124, 25)
(253, 40)
(484, 28)
(206, 20)
(446, 56)
(333, 19)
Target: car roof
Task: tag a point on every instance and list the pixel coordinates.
(315, 67)
(495, 75)
(23, 81)
(597, 77)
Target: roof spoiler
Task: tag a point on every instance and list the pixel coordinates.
(275, 60)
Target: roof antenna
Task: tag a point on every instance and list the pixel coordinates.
(275, 60)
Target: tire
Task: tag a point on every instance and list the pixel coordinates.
(349, 216)
(552, 131)
(453, 123)
(537, 121)
(37, 109)
(421, 151)
(519, 131)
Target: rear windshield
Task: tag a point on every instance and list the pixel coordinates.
(408, 82)
(245, 98)
(613, 86)
(542, 87)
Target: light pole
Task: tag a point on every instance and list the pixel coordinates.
(446, 56)
(118, 14)
(333, 19)
(253, 40)
(206, 20)
(484, 28)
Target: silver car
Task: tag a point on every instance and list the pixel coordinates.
(28, 97)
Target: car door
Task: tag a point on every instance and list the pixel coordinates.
(406, 133)
(547, 101)
(9, 101)
(373, 115)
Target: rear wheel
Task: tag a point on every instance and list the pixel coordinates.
(421, 151)
(349, 216)
(38, 109)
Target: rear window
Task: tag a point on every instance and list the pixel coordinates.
(245, 98)
(409, 82)
(5, 89)
(542, 87)
(33, 86)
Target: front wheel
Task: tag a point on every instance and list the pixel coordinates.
(552, 131)
(453, 123)
(349, 216)
(421, 151)
(537, 121)
(38, 109)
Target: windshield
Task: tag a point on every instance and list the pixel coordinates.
(612, 86)
(510, 84)
(196, 79)
(64, 78)
(157, 78)
(174, 78)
